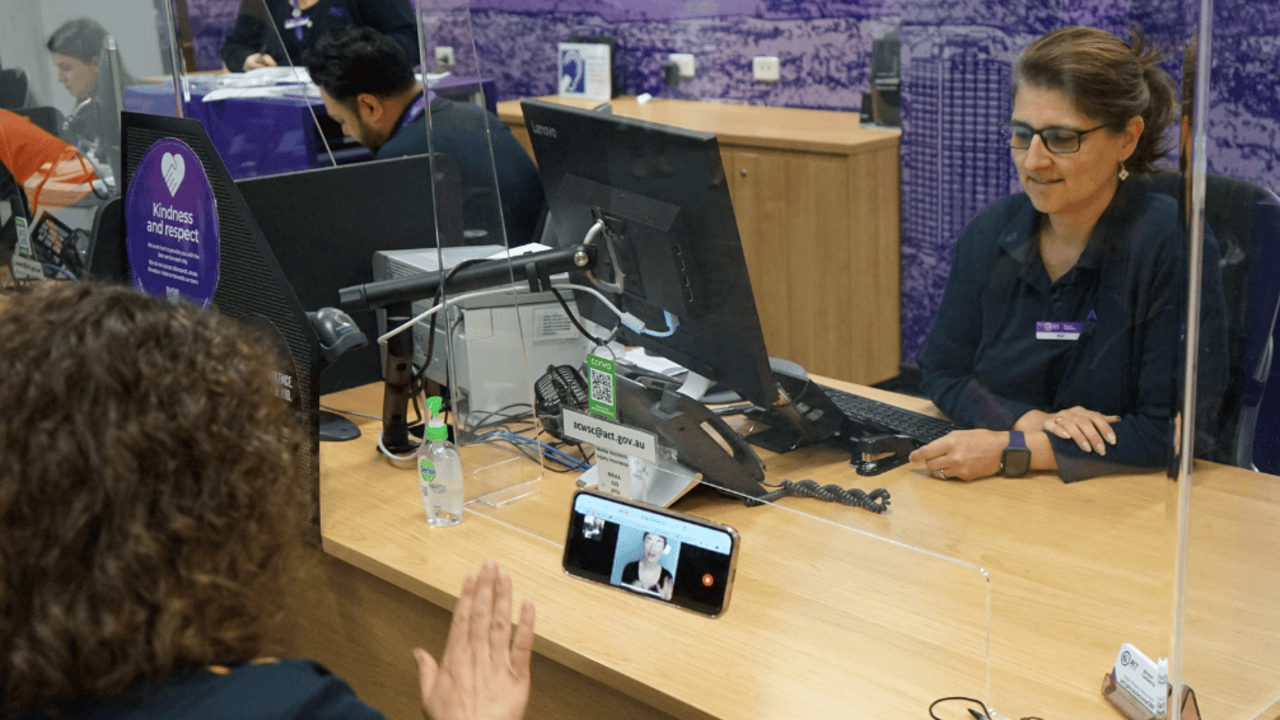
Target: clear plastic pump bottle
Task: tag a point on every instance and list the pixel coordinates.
(440, 471)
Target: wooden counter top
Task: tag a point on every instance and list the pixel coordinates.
(826, 131)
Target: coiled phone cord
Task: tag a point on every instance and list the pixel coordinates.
(877, 501)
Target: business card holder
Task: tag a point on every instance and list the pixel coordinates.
(1134, 710)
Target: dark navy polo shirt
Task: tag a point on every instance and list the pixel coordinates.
(985, 366)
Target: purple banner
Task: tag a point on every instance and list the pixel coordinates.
(172, 221)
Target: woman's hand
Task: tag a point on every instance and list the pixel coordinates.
(485, 671)
(259, 60)
(963, 454)
(664, 590)
(1090, 430)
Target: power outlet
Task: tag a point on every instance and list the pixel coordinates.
(684, 61)
(444, 57)
(765, 68)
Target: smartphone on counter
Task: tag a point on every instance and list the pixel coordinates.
(664, 555)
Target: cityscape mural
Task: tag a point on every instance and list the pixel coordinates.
(955, 59)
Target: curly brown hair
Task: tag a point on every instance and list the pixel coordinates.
(148, 495)
(1108, 79)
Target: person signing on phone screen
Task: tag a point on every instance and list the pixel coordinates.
(1059, 336)
(647, 573)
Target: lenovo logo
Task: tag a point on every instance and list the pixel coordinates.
(544, 130)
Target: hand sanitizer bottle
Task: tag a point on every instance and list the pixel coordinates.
(440, 471)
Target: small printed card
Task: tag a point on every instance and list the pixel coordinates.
(585, 71)
(1058, 330)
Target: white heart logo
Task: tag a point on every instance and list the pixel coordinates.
(174, 168)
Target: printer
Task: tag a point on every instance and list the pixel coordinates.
(502, 343)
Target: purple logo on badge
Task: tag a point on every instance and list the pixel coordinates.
(172, 222)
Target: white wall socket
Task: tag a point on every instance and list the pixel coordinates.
(765, 69)
(685, 61)
(444, 56)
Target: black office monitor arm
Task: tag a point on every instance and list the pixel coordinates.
(397, 296)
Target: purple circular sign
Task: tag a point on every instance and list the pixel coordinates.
(172, 221)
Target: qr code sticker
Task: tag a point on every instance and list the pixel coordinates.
(172, 295)
(602, 386)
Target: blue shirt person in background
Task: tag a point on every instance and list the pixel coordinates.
(277, 32)
(368, 87)
(1061, 317)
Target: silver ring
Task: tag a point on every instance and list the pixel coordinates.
(942, 473)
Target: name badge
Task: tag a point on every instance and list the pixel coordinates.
(297, 22)
(1058, 330)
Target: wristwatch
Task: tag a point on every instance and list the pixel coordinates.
(1016, 459)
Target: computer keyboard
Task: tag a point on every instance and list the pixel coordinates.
(876, 416)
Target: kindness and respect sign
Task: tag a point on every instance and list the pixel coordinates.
(171, 220)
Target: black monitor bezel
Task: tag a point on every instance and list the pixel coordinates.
(720, 336)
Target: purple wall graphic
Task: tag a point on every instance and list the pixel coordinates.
(955, 60)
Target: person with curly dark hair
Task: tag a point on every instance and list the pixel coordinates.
(151, 511)
(1058, 339)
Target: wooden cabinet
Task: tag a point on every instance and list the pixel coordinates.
(816, 197)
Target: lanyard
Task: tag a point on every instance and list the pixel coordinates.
(417, 108)
(298, 21)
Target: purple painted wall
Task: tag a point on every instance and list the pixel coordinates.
(955, 61)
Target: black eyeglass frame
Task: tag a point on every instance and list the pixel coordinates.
(1008, 126)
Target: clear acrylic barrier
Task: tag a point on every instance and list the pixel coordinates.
(1228, 618)
(490, 348)
(832, 617)
(1062, 574)
(269, 121)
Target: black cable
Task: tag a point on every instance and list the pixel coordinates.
(877, 501)
(986, 713)
(573, 318)
(431, 337)
(487, 417)
(555, 442)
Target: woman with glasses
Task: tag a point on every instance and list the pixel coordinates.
(1059, 335)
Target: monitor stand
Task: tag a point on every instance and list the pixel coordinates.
(335, 428)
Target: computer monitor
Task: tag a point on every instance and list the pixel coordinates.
(662, 195)
(325, 225)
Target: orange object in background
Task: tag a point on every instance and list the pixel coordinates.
(51, 171)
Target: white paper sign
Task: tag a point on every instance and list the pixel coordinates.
(615, 446)
(585, 71)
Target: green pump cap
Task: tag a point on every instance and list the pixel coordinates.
(436, 429)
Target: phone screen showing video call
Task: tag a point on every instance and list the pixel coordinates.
(668, 558)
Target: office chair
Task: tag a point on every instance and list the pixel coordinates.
(108, 257)
(13, 88)
(48, 119)
(1245, 219)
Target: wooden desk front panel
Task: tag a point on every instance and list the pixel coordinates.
(816, 198)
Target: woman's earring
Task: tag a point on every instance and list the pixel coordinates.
(1124, 174)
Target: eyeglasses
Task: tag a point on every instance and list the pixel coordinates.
(1057, 140)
